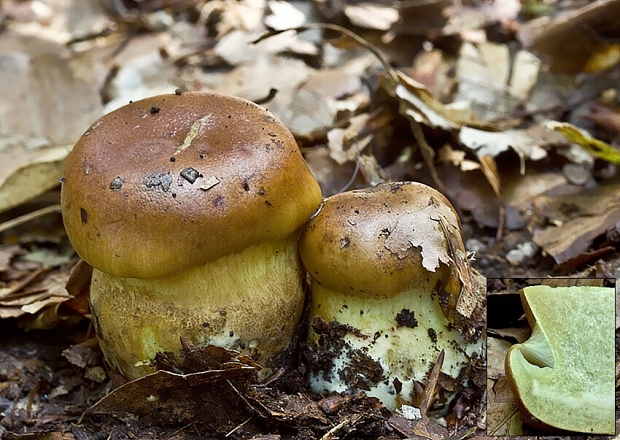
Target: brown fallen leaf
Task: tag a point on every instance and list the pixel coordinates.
(372, 15)
(288, 408)
(331, 176)
(488, 82)
(7, 253)
(84, 354)
(346, 144)
(503, 416)
(605, 116)
(489, 168)
(166, 396)
(35, 299)
(578, 220)
(464, 18)
(583, 27)
(36, 136)
(214, 395)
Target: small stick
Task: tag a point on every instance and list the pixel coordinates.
(28, 217)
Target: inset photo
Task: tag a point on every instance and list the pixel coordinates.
(551, 356)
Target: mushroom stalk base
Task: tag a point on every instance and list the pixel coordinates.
(250, 301)
(388, 343)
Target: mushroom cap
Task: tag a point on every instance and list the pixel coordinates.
(373, 242)
(172, 182)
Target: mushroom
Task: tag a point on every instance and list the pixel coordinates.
(188, 206)
(387, 266)
(563, 376)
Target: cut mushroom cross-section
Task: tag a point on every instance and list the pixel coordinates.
(563, 376)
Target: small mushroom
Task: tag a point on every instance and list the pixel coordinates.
(189, 216)
(385, 284)
(563, 376)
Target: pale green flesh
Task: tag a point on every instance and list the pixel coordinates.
(564, 374)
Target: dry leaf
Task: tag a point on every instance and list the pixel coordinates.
(372, 15)
(331, 176)
(457, 158)
(7, 253)
(572, 42)
(165, 394)
(432, 69)
(286, 75)
(605, 116)
(284, 15)
(422, 17)
(371, 170)
(142, 71)
(520, 191)
(525, 70)
(60, 21)
(526, 143)
(503, 416)
(84, 354)
(317, 101)
(580, 219)
(463, 18)
(231, 14)
(35, 298)
(419, 105)
(422, 229)
(345, 144)
(35, 137)
(486, 77)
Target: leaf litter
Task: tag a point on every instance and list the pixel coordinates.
(472, 108)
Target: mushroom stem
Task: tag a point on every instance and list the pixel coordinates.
(405, 349)
(189, 206)
(221, 303)
(387, 267)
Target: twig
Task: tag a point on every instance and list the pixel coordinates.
(355, 171)
(242, 397)
(428, 154)
(28, 217)
(10, 291)
(238, 426)
(351, 420)
(274, 377)
(374, 49)
(183, 428)
(431, 386)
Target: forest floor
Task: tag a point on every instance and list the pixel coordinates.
(510, 108)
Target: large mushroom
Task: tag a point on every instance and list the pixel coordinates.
(188, 207)
(387, 266)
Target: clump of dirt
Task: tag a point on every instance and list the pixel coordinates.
(205, 392)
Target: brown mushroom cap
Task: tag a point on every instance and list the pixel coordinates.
(374, 242)
(174, 181)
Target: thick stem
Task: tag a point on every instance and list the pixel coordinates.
(249, 301)
(402, 334)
